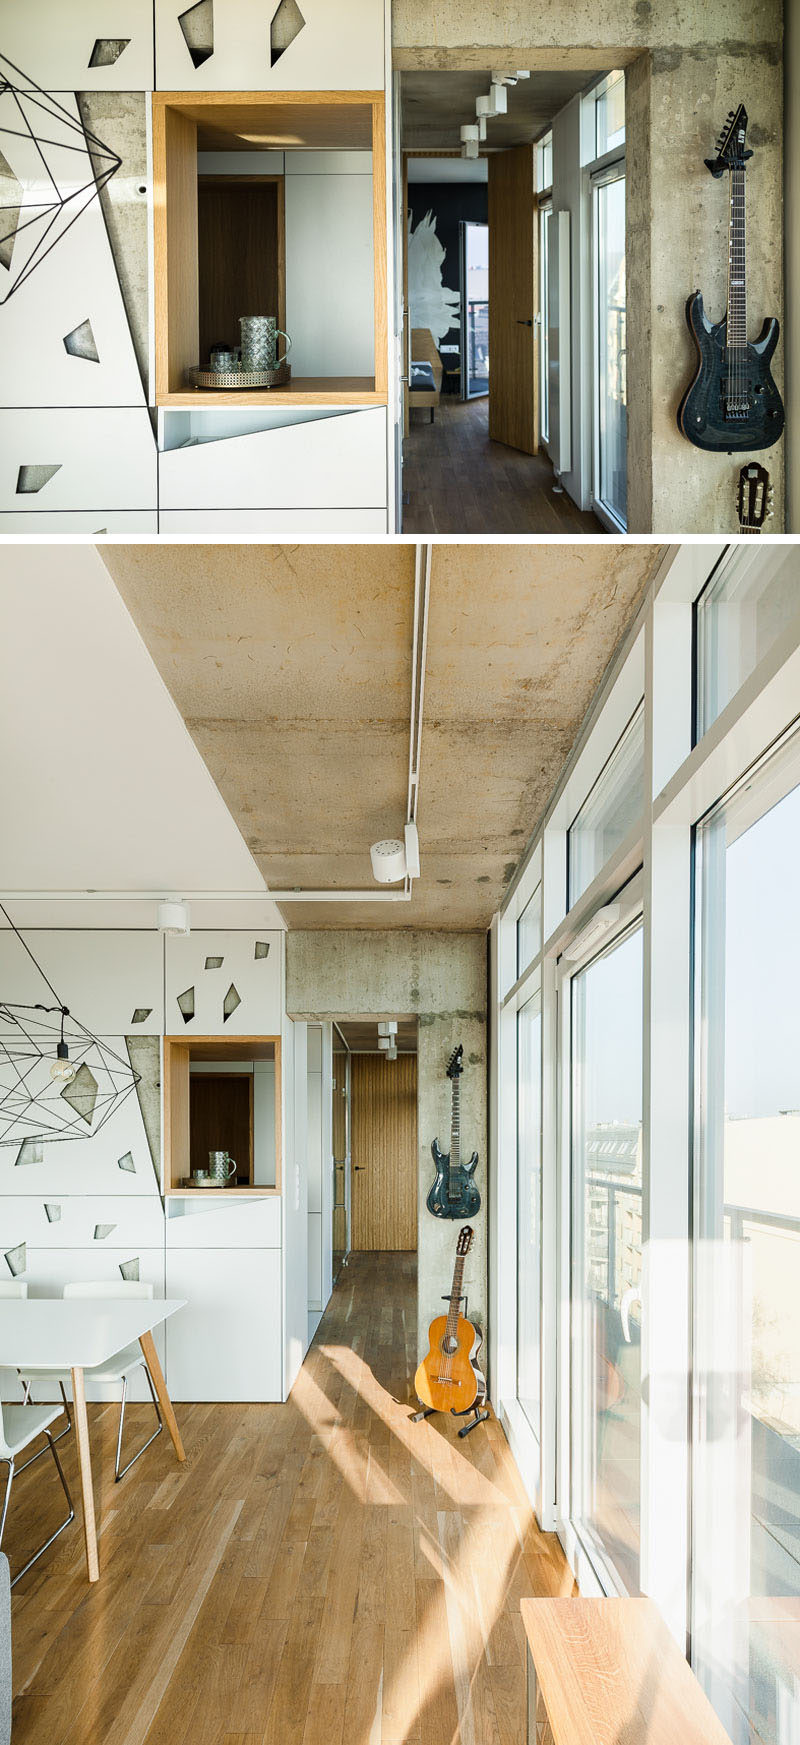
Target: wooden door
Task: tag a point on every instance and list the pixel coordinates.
(383, 1112)
(513, 365)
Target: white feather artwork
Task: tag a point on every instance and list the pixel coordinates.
(431, 304)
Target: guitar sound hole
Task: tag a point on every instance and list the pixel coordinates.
(449, 1346)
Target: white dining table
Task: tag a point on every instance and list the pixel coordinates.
(76, 1334)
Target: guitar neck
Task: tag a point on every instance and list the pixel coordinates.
(737, 287)
(455, 1297)
(455, 1138)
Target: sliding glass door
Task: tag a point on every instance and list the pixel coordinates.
(610, 347)
(474, 243)
(606, 1258)
(746, 1510)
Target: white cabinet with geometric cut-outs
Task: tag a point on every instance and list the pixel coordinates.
(281, 45)
(224, 984)
(64, 458)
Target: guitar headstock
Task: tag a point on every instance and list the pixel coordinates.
(754, 497)
(464, 1242)
(731, 153)
(455, 1063)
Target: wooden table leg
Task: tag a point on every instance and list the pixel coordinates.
(85, 1459)
(151, 1359)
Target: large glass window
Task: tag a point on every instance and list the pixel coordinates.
(529, 1180)
(474, 241)
(545, 215)
(746, 1563)
(606, 1156)
(611, 348)
(609, 114)
(529, 930)
(544, 163)
(741, 611)
(610, 811)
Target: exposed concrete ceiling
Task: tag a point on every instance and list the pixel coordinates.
(435, 105)
(292, 667)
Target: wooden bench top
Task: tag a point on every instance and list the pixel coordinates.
(610, 1673)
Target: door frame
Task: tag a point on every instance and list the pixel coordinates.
(464, 226)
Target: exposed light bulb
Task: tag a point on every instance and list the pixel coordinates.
(62, 1068)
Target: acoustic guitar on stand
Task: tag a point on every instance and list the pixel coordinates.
(448, 1379)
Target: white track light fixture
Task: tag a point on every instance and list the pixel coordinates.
(388, 1027)
(470, 136)
(411, 836)
(388, 860)
(173, 918)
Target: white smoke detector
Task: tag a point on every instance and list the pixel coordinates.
(388, 860)
(173, 918)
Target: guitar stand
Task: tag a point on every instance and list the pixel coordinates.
(477, 1412)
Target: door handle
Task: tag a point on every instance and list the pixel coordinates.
(359, 1166)
(521, 323)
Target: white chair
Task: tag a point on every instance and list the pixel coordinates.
(118, 1369)
(18, 1288)
(19, 1426)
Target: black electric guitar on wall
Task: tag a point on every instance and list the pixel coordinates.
(754, 497)
(733, 402)
(454, 1194)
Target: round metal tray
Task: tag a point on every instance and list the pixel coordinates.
(187, 1182)
(241, 379)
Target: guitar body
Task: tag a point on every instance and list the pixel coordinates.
(750, 415)
(447, 1379)
(453, 1194)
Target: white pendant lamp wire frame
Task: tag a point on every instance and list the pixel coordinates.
(35, 1107)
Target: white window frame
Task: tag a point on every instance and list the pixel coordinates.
(603, 171)
(682, 781)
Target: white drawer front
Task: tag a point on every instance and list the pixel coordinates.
(326, 463)
(105, 460)
(323, 56)
(95, 522)
(199, 1223)
(76, 1220)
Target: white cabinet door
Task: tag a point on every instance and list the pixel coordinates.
(326, 463)
(236, 52)
(224, 984)
(77, 1220)
(65, 459)
(226, 1343)
(114, 977)
(238, 1224)
(280, 523)
(113, 1162)
(53, 45)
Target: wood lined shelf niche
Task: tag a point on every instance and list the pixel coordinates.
(189, 226)
(218, 1097)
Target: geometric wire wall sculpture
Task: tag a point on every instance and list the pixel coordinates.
(47, 175)
(33, 1105)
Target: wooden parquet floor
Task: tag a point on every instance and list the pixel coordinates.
(320, 1571)
(458, 481)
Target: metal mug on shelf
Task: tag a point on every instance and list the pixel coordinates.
(221, 1167)
(260, 334)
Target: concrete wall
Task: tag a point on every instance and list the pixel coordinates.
(686, 63)
(439, 978)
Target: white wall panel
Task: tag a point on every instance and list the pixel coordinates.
(103, 976)
(256, 980)
(282, 523)
(330, 53)
(105, 459)
(92, 521)
(113, 1162)
(329, 272)
(75, 282)
(52, 41)
(59, 1220)
(50, 1269)
(331, 463)
(315, 1260)
(226, 1343)
(239, 1224)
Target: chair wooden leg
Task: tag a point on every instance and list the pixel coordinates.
(157, 1374)
(85, 1458)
